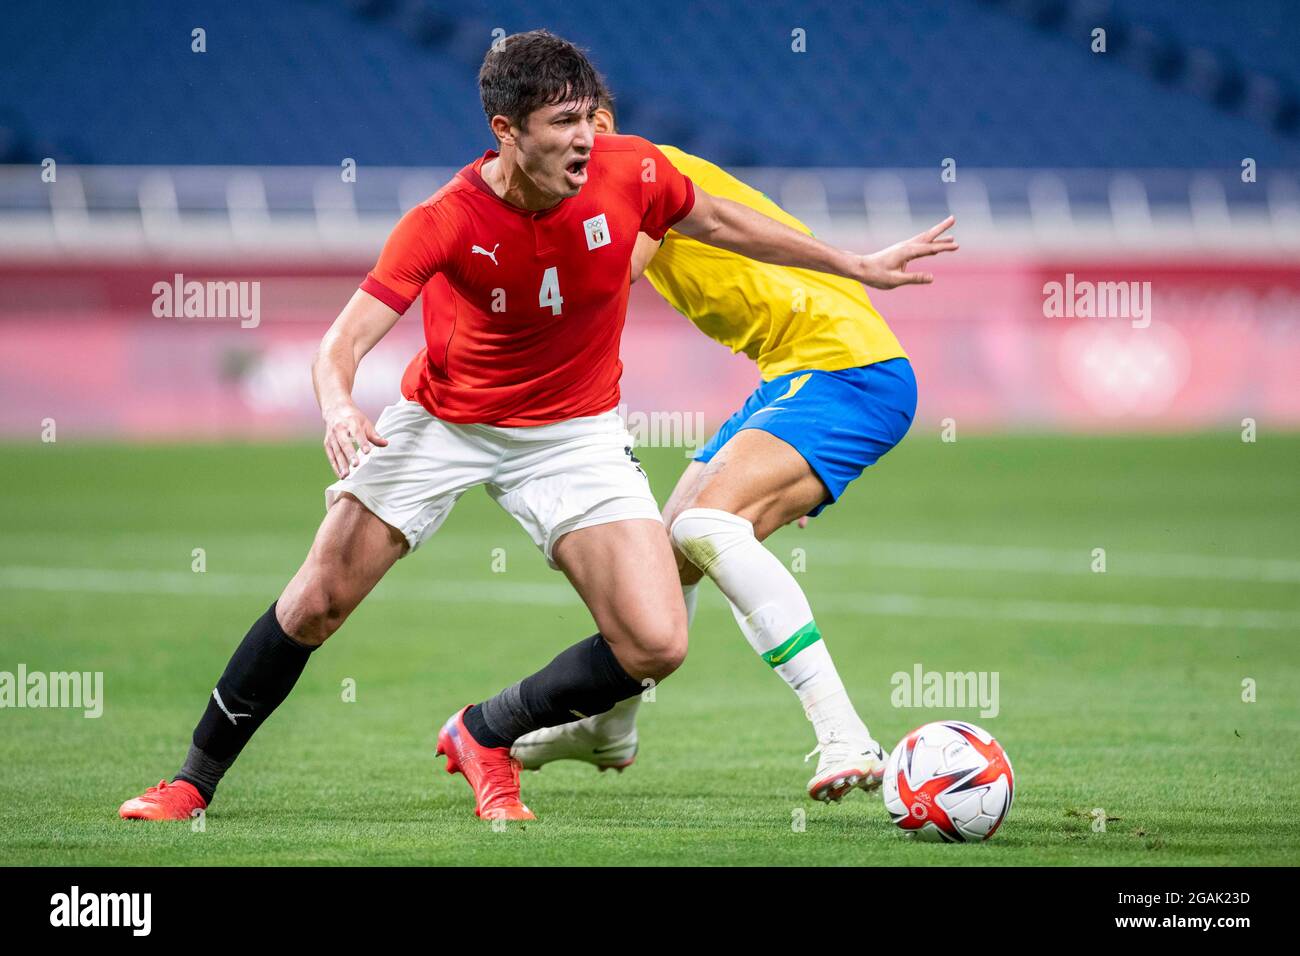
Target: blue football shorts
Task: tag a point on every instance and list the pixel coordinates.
(840, 422)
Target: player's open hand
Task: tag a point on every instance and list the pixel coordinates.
(348, 435)
(887, 269)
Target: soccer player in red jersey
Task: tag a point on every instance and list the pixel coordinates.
(528, 250)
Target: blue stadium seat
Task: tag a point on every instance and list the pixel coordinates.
(888, 83)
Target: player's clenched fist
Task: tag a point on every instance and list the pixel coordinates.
(348, 434)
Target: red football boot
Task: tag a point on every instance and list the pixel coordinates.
(492, 773)
(167, 801)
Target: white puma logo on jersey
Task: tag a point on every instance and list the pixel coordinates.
(483, 252)
(224, 709)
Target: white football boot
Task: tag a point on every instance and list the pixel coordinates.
(850, 757)
(575, 741)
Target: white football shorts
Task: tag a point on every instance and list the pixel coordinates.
(552, 478)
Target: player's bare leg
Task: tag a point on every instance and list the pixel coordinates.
(756, 481)
(626, 574)
(352, 551)
(754, 485)
(608, 741)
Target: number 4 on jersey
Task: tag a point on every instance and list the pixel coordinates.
(550, 291)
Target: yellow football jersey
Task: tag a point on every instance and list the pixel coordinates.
(784, 319)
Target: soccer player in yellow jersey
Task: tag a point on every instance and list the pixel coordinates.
(837, 394)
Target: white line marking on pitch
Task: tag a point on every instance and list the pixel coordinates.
(913, 555)
(91, 580)
(982, 557)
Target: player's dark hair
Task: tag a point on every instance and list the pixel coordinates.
(527, 71)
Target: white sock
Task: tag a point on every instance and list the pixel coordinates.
(772, 612)
(616, 722)
(691, 595)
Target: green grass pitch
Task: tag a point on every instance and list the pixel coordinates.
(1119, 691)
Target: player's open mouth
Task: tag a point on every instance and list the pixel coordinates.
(577, 171)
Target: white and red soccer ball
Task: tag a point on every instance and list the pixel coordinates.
(948, 782)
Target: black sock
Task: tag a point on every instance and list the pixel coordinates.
(584, 680)
(262, 671)
(204, 772)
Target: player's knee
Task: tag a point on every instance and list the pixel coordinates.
(671, 651)
(703, 535)
(311, 611)
(660, 649)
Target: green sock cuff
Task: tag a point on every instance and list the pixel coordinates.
(785, 652)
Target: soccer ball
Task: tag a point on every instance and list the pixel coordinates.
(948, 781)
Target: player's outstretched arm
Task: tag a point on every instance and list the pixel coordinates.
(730, 225)
(363, 322)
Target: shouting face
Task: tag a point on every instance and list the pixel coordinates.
(553, 147)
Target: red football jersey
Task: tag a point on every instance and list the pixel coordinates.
(524, 312)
